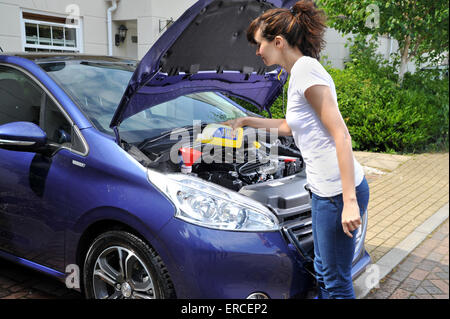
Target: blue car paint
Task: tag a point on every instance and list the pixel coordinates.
(25, 129)
(225, 264)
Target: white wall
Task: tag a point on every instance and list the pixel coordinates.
(10, 32)
(335, 51)
(337, 54)
(148, 23)
(140, 16)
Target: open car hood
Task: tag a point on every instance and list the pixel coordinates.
(206, 49)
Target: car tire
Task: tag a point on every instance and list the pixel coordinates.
(119, 265)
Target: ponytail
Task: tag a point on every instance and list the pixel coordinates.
(303, 26)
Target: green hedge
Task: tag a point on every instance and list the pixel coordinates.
(383, 116)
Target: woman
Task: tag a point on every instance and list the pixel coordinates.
(293, 39)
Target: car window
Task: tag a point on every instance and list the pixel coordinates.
(97, 88)
(21, 99)
(207, 107)
(55, 125)
(187, 110)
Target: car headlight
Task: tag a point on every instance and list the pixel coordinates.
(209, 205)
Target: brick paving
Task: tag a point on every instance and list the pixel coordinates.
(423, 274)
(404, 198)
(19, 282)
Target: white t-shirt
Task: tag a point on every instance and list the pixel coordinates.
(311, 137)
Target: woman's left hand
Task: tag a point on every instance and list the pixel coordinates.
(351, 218)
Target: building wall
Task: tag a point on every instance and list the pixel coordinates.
(141, 17)
(10, 32)
(335, 51)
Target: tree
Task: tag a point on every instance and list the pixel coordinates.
(419, 26)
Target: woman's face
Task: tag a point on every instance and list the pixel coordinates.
(268, 51)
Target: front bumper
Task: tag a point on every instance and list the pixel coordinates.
(208, 263)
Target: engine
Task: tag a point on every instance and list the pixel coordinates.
(221, 156)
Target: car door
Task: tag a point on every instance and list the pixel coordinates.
(32, 214)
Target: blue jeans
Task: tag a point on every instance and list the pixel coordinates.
(333, 249)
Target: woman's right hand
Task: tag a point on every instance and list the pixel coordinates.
(235, 123)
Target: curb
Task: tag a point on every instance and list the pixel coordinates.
(375, 272)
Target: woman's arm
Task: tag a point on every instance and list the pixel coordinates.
(256, 122)
(323, 103)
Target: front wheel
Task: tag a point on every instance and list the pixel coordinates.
(119, 265)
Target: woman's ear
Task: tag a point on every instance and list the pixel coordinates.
(280, 42)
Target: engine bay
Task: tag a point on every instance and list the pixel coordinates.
(269, 169)
(216, 153)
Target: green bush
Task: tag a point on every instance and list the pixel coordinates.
(388, 118)
(381, 115)
(385, 116)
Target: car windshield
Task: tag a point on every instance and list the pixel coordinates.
(97, 88)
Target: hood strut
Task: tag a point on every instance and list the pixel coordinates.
(116, 127)
(116, 132)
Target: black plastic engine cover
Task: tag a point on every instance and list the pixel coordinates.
(287, 196)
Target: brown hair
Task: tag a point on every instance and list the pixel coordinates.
(303, 26)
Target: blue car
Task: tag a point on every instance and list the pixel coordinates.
(97, 186)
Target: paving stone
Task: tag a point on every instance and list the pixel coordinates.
(439, 236)
(399, 275)
(435, 256)
(4, 292)
(6, 282)
(380, 294)
(442, 275)
(427, 265)
(418, 274)
(420, 291)
(425, 296)
(400, 294)
(440, 296)
(17, 288)
(409, 264)
(410, 284)
(38, 295)
(433, 290)
(16, 295)
(442, 285)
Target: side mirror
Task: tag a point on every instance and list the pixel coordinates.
(22, 137)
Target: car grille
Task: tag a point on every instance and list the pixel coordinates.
(298, 230)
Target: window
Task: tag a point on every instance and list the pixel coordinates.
(50, 34)
(21, 99)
